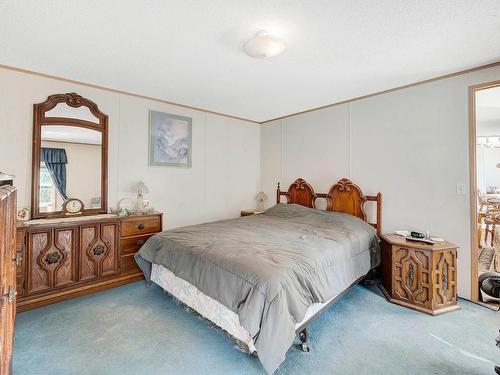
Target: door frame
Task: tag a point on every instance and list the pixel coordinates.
(473, 184)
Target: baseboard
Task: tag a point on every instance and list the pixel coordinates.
(32, 302)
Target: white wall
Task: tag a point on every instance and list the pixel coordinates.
(410, 144)
(487, 172)
(225, 173)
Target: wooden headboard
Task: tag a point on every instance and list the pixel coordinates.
(344, 196)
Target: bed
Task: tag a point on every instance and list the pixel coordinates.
(264, 278)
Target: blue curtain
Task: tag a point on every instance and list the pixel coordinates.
(55, 160)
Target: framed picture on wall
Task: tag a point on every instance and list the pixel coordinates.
(169, 139)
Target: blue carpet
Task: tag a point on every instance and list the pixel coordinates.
(138, 330)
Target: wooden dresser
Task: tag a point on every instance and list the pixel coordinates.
(419, 276)
(58, 261)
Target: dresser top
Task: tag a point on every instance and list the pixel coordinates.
(64, 221)
(395, 239)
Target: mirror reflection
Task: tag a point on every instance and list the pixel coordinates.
(70, 166)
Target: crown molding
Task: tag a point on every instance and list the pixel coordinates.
(481, 67)
(438, 78)
(116, 91)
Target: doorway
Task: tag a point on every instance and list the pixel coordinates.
(484, 149)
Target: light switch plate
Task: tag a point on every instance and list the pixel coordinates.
(460, 189)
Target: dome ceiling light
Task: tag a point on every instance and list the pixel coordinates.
(264, 46)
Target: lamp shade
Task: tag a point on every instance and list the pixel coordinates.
(140, 188)
(261, 197)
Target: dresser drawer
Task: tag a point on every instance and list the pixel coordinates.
(138, 225)
(131, 245)
(128, 264)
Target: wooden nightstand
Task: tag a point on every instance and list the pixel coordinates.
(251, 212)
(419, 276)
(134, 232)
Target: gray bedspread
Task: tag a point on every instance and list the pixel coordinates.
(268, 268)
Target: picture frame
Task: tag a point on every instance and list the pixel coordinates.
(170, 140)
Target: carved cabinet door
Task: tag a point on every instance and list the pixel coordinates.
(52, 258)
(445, 278)
(412, 276)
(98, 250)
(7, 276)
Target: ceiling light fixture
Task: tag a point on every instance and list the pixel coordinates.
(264, 46)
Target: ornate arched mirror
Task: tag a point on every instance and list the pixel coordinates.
(70, 153)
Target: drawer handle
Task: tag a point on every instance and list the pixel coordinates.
(18, 259)
(98, 250)
(411, 275)
(9, 296)
(444, 278)
(141, 226)
(140, 242)
(52, 258)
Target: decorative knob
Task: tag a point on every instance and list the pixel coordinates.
(18, 258)
(411, 275)
(10, 295)
(444, 278)
(141, 226)
(52, 258)
(140, 242)
(98, 250)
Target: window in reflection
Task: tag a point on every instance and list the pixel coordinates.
(47, 190)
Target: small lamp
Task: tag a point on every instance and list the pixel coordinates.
(261, 199)
(140, 188)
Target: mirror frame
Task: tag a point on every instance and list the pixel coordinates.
(73, 100)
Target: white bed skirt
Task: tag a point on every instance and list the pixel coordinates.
(208, 307)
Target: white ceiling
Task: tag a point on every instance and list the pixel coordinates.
(190, 52)
(71, 134)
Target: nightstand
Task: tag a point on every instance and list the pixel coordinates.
(134, 232)
(251, 212)
(419, 276)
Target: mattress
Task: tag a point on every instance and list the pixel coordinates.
(268, 269)
(211, 309)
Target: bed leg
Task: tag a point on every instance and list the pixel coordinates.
(371, 277)
(304, 339)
